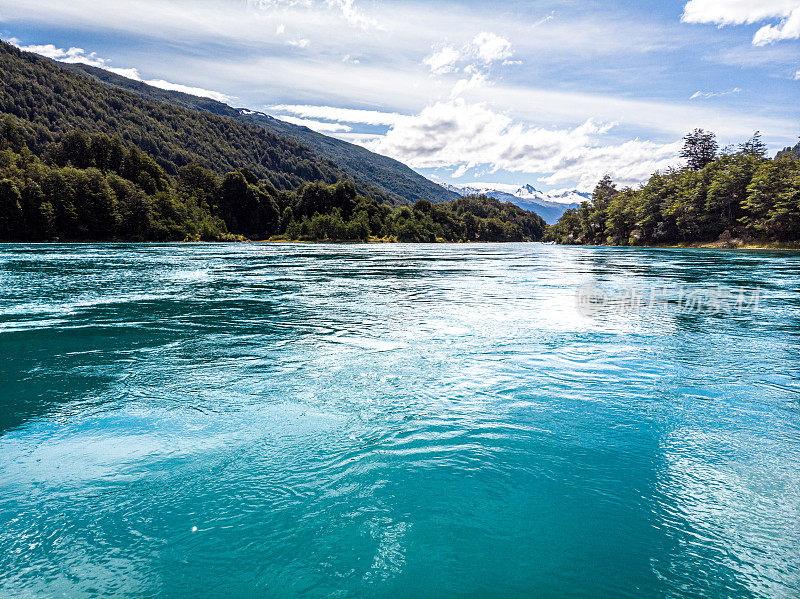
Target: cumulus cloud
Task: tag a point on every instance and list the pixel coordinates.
(462, 86)
(443, 60)
(80, 56)
(797, 76)
(702, 94)
(485, 49)
(746, 12)
(301, 43)
(490, 47)
(457, 134)
(354, 15)
(460, 135)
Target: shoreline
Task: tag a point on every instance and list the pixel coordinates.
(732, 245)
(704, 245)
(697, 245)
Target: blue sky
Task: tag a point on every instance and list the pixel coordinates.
(499, 93)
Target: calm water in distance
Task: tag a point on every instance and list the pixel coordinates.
(394, 421)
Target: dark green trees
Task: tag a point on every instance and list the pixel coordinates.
(739, 193)
(699, 148)
(337, 212)
(772, 206)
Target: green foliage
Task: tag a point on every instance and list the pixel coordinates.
(699, 148)
(51, 102)
(772, 206)
(81, 160)
(338, 212)
(94, 187)
(742, 194)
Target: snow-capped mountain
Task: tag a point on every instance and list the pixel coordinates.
(573, 196)
(549, 206)
(529, 192)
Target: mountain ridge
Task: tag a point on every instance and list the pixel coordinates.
(50, 100)
(398, 182)
(529, 198)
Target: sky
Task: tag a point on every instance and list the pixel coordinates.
(496, 94)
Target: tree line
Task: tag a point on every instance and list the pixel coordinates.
(719, 195)
(96, 187)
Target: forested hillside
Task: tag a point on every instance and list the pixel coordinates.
(719, 196)
(95, 188)
(50, 101)
(398, 182)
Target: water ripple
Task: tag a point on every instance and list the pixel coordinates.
(394, 420)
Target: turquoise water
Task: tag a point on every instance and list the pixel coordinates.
(396, 421)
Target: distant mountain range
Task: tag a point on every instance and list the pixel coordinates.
(549, 206)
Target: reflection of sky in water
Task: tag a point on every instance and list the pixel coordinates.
(394, 421)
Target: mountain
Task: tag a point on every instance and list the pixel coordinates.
(397, 183)
(529, 192)
(49, 101)
(790, 152)
(549, 206)
(571, 197)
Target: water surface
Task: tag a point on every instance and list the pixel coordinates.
(395, 421)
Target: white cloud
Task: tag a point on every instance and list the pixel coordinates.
(354, 15)
(72, 56)
(186, 89)
(337, 84)
(443, 60)
(485, 49)
(280, 29)
(319, 126)
(346, 115)
(788, 29)
(462, 86)
(490, 47)
(301, 43)
(461, 135)
(351, 13)
(747, 12)
(797, 75)
(702, 94)
(80, 56)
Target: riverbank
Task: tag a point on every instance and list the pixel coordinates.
(738, 244)
(735, 244)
